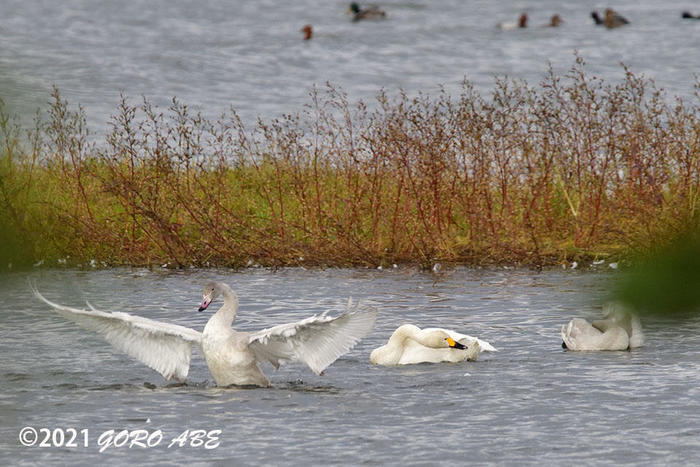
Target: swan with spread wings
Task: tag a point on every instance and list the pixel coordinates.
(232, 356)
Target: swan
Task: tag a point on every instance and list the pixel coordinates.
(620, 330)
(370, 13)
(232, 357)
(409, 344)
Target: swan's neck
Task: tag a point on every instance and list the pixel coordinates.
(391, 352)
(407, 331)
(227, 313)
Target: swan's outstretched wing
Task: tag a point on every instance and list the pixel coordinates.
(317, 341)
(162, 346)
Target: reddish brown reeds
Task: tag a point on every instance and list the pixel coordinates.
(572, 169)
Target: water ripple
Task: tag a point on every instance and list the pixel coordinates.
(530, 403)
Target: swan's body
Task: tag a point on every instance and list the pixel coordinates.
(232, 356)
(620, 330)
(409, 345)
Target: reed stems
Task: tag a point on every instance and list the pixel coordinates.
(571, 169)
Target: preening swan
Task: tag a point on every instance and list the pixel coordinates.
(620, 330)
(409, 344)
(232, 356)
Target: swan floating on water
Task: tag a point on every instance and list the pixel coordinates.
(232, 356)
(620, 330)
(409, 344)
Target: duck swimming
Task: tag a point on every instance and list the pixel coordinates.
(232, 356)
(610, 20)
(554, 21)
(620, 330)
(410, 345)
(308, 32)
(369, 13)
(596, 18)
(522, 23)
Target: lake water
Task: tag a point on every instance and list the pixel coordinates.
(249, 54)
(530, 403)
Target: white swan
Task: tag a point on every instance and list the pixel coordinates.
(620, 330)
(232, 356)
(409, 344)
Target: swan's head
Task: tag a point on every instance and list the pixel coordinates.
(211, 291)
(453, 344)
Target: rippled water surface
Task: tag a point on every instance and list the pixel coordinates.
(249, 54)
(531, 402)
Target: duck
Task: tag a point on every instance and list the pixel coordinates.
(689, 15)
(613, 19)
(522, 23)
(619, 330)
(554, 21)
(410, 344)
(233, 357)
(596, 18)
(610, 20)
(308, 32)
(369, 13)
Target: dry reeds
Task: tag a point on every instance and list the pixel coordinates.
(572, 169)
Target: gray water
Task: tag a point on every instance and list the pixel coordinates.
(249, 54)
(530, 403)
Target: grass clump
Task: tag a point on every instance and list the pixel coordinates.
(572, 169)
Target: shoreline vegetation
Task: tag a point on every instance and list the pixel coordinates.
(574, 169)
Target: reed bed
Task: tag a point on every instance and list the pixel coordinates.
(571, 169)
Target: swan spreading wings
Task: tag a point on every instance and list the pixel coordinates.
(232, 356)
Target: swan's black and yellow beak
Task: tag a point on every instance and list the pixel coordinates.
(454, 344)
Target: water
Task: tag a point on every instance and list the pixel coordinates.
(530, 403)
(249, 54)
